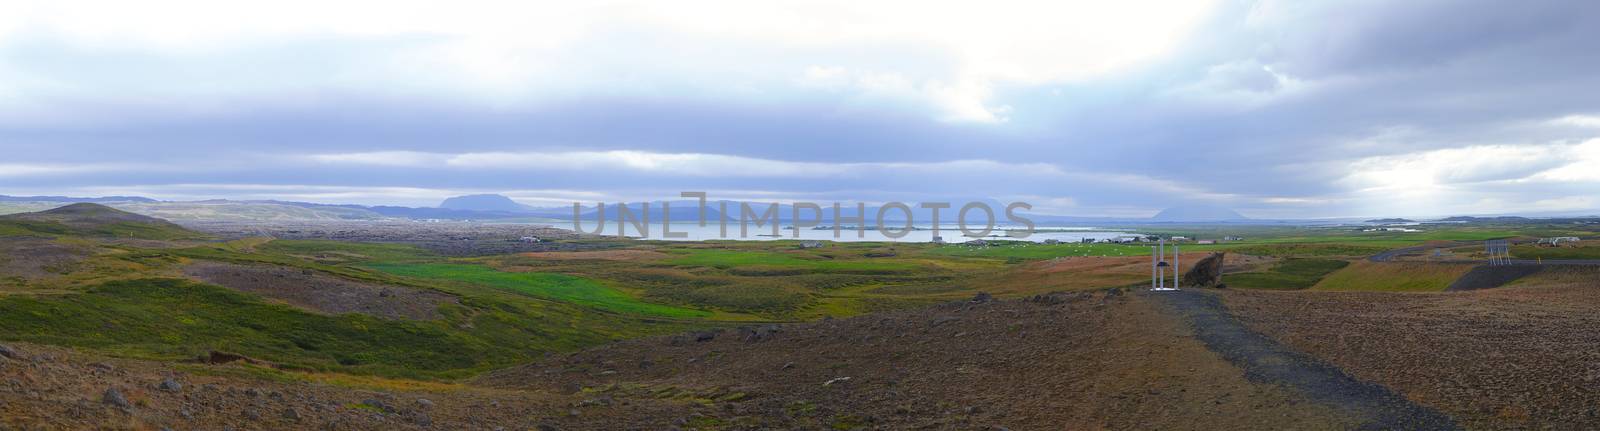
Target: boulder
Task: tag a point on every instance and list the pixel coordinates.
(115, 398)
(1205, 273)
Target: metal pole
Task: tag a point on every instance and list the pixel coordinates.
(1152, 267)
(1175, 269)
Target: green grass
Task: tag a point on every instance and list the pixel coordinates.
(169, 318)
(560, 287)
(1589, 250)
(1394, 276)
(760, 262)
(114, 230)
(1309, 249)
(1290, 274)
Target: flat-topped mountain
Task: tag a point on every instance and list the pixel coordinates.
(487, 202)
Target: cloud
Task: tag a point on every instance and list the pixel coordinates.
(1578, 120)
(516, 53)
(673, 164)
(1278, 108)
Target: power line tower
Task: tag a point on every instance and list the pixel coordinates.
(1159, 265)
(1499, 251)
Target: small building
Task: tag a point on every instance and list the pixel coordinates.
(1178, 239)
(978, 243)
(1233, 238)
(938, 239)
(530, 239)
(1205, 241)
(1052, 241)
(1557, 241)
(810, 244)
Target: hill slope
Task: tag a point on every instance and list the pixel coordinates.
(89, 219)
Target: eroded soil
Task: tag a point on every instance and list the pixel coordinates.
(322, 293)
(1511, 357)
(1074, 361)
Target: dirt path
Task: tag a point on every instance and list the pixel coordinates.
(1389, 255)
(1267, 361)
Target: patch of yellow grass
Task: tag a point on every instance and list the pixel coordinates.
(1393, 276)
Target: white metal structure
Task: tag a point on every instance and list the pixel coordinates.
(1159, 265)
(1499, 251)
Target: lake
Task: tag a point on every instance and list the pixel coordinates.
(923, 233)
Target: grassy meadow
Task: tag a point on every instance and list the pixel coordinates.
(1289, 274)
(1394, 276)
(120, 287)
(557, 287)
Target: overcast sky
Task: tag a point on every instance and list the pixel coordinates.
(1274, 108)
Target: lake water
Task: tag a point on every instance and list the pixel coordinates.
(924, 233)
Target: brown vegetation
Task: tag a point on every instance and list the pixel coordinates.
(1512, 357)
(323, 293)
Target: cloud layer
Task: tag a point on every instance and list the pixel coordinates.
(1276, 108)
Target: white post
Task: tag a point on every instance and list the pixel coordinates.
(1175, 269)
(1163, 276)
(1153, 267)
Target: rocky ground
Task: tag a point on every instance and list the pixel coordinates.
(1075, 361)
(322, 293)
(31, 259)
(1505, 358)
(1089, 360)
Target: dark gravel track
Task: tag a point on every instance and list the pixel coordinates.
(1389, 255)
(1265, 360)
(1492, 276)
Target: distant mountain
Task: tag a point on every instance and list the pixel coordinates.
(487, 202)
(1485, 219)
(1391, 220)
(90, 219)
(1198, 213)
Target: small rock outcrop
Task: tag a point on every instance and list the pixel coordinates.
(751, 334)
(1205, 273)
(115, 398)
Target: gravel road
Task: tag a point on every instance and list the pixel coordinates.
(1265, 360)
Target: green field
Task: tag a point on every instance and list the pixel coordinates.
(173, 319)
(559, 287)
(1291, 274)
(748, 259)
(1394, 276)
(1309, 249)
(126, 298)
(1588, 250)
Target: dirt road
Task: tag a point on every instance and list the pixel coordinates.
(1264, 360)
